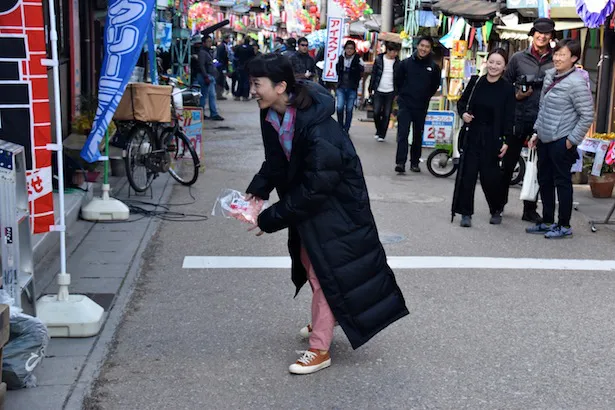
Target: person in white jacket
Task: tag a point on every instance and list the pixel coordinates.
(565, 114)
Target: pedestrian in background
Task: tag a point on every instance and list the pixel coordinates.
(303, 63)
(206, 78)
(243, 53)
(565, 114)
(350, 69)
(222, 59)
(487, 105)
(279, 47)
(290, 47)
(418, 80)
(324, 204)
(382, 87)
(526, 71)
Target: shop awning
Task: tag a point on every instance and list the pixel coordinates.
(481, 10)
(520, 31)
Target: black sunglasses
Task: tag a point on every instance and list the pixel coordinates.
(303, 45)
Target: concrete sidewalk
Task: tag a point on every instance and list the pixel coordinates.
(103, 260)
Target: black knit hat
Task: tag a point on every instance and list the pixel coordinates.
(543, 25)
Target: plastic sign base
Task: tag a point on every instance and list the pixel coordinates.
(79, 316)
(99, 209)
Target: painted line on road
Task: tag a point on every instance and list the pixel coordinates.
(410, 262)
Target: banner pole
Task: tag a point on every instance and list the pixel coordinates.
(64, 315)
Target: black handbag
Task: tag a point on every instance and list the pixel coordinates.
(461, 137)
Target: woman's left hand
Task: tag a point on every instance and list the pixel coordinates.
(260, 233)
(568, 144)
(503, 151)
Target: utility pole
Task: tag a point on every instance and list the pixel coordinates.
(386, 11)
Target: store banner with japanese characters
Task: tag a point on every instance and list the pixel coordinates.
(127, 24)
(335, 35)
(25, 116)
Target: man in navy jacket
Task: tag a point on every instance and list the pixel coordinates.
(418, 79)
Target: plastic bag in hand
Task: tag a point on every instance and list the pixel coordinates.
(232, 204)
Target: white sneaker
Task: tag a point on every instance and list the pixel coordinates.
(376, 136)
(380, 139)
(311, 361)
(306, 331)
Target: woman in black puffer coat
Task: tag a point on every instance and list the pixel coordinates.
(333, 241)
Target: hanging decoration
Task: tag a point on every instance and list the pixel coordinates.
(355, 9)
(594, 12)
(201, 15)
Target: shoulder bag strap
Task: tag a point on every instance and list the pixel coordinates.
(472, 93)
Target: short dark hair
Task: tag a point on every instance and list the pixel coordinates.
(350, 43)
(291, 42)
(429, 39)
(391, 46)
(278, 68)
(499, 51)
(302, 39)
(571, 44)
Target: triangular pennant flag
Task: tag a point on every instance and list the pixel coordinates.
(451, 21)
(472, 35)
(479, 37)
(444, 24)
(601, 36)
(575, 34)
(593, 37)
(583, 38)
(467, 29)
(489, 26)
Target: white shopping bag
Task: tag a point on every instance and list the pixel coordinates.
(529, 192)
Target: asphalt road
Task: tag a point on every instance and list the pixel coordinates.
(503, 337)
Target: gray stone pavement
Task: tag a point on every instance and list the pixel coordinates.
(223, 338)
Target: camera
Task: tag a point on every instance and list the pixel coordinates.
(527, 81)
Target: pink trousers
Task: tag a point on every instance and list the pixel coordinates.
(323, 320)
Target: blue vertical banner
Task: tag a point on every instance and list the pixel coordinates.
(127, 25)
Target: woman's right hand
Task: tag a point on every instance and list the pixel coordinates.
(250, 197)
(467, 117)
(532, 142)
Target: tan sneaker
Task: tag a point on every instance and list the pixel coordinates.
(311, 361)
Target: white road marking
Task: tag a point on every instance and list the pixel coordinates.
(410, 262)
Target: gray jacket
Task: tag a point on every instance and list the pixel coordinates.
(206, 62)
(567, 110)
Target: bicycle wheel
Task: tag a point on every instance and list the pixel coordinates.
(139, 146)
(184, 162)
(440, 164)
(518, 172)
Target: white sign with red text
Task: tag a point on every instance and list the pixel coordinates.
(335, 34)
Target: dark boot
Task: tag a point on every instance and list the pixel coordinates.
(466, 221)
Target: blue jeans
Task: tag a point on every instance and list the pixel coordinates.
(346, 98)
(208, 92)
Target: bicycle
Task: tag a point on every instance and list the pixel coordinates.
(441, 164)
(152, 148)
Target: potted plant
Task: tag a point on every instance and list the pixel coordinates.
(602, 186)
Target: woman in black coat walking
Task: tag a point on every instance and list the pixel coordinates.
(487, 106)
(333, 241)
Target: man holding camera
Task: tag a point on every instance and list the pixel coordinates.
(526, 70)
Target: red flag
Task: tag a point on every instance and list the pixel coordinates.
(472, 34)
(26, 117)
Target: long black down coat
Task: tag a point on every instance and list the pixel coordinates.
(325, 206)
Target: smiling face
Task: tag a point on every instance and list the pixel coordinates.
(496, 65)
(563, 60)
(266, 93)
(423, 49)
(541, 40)
(349, 50)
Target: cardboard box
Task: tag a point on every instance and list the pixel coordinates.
(145, 102)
